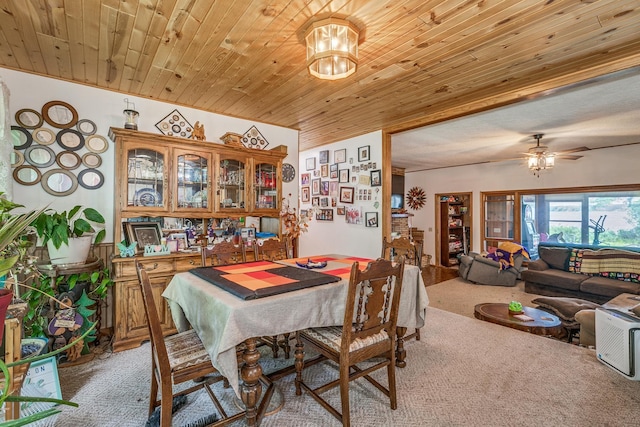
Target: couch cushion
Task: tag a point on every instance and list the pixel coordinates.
(609, 287)
(564, 308)
(555, 278)
(557, 258)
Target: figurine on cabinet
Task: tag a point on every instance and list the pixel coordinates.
(198, 132)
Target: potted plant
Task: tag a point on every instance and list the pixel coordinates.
(68, 235)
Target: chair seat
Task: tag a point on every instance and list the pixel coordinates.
(185, 349)
(331, 337)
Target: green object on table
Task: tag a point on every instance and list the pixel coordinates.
(515, 306)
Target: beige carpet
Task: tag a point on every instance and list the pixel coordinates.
(459, 296)
(464, 372)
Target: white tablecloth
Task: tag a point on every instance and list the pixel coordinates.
(223, 320)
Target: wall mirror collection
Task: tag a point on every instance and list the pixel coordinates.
(34, 149)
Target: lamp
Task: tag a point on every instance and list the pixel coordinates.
(130, 116)
(332, 49)
(539, 157)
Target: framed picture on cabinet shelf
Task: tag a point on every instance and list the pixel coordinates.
(340, 156)
(144, 233)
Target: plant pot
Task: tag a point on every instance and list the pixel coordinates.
(6, 296)
(76, 252)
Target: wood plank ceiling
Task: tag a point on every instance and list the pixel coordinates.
(421, 61)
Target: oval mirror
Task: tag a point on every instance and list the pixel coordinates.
(59, 114)
(97, 144)
(86, 127)
(21, 137)
(26, 175)
(68, 160)
(91, 160)
(70, 139)
(40, 156)
(17, 158)
(44, 136)
(29, 118)
(91, 179)
(59, 182)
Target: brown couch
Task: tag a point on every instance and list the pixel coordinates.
(551, 275)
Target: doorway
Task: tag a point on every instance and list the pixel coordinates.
(453, 227)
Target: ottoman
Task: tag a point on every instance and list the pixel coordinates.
(567, 309)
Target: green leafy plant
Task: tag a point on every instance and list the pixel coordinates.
(58, 227)
(14, 240)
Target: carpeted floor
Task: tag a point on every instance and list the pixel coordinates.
(464, 372)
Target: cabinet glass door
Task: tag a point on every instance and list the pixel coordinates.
(265, 186)
(146, 179)
(231, 184)
(192, 180)
(499, 217)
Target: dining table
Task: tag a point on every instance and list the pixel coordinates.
(224, 318)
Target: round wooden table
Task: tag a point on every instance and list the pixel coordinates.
(543, 323)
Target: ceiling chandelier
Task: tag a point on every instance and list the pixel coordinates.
(332, 49)
(539, 157)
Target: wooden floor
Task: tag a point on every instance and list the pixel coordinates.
(433, 274)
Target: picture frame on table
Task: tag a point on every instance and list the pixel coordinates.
(340, 156)
(376, 178)
(315, 187)
(371, 219)
(333, 171)
(311, 163)
(144, 233)
(346, 194)
(305, 194)
(364, 153)
(324, 156)
(181, 238)
(343, 175)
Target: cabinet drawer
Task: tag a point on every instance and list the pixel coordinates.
(185, 264)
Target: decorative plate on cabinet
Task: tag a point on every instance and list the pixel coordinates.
(288, 172)
(147, 197)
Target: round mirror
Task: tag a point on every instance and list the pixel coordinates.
(40, 156)
(97, 144)
(17, 158)
(91, 179)
(26, 175)
(44, 136)
(59, 114)
(21, 137)
(68, 160)
(59, 182)
(86, 127)
(29, 118)
(70, 139)
(91, 160)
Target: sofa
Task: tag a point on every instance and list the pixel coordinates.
(589, 273)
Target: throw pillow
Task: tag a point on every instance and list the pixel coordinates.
(575, 260)
(556, 257)
(565, 308)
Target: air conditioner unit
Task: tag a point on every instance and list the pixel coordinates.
(618, 341)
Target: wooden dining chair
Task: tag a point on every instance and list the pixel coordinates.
(176, 359)
(369, 333)
(223, 253)
(412, 254)
(274, 250)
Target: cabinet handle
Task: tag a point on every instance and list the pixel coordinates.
(192, 262)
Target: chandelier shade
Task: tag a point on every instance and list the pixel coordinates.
(332, 49)
(539, 157)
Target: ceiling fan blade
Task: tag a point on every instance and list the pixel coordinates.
(573, 150)
(568, 157)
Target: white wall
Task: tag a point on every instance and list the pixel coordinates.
(104, 108)
(337, 236)
(611, 166)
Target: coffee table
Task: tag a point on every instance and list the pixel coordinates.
(543, 323)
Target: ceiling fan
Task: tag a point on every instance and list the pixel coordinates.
(539, 157)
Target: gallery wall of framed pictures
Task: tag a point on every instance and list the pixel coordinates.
(342, 183)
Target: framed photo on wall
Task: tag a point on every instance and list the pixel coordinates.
(324, 156)
(305, 195)
(344, 175)
(324, 171)
(346, 194)
(371, 219)
(364, 154)
(315, 187)
(144, 233)
(333, 170)
(305, 179)
(376, 178)
(311, 163)
(340, 156)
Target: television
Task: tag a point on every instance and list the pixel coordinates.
(397, 201)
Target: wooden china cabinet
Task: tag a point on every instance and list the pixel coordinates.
(158, 176)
